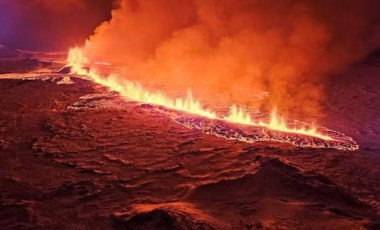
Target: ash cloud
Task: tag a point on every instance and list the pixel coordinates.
(48, 25)
(227, 51)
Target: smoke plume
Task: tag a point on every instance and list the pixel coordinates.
(228, 51)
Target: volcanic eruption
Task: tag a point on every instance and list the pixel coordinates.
(131, 90)
(189, 114)
(266, 57)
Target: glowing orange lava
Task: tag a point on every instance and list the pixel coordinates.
(134, 91)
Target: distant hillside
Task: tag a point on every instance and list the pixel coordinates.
(6, 52)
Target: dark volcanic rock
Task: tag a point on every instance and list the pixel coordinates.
(161, 219)
(22, 65)
(276, 179)
(71, 155)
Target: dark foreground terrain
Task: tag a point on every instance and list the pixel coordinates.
(75, 157)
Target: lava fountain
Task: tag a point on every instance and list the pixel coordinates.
(274, 128)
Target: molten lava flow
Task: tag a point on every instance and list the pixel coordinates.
(279, 123)
(237, 115)
(133, 91)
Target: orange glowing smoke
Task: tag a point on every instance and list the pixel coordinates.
(229, 50)
(134, 91)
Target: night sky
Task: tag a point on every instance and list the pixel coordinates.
(50, 25)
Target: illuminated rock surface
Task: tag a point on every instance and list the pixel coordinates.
(74, 156)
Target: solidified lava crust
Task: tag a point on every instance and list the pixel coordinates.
(252, 134)
(76, 156)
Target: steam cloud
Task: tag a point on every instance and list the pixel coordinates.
(228, 50)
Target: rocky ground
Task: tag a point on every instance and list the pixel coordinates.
(74, 156)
